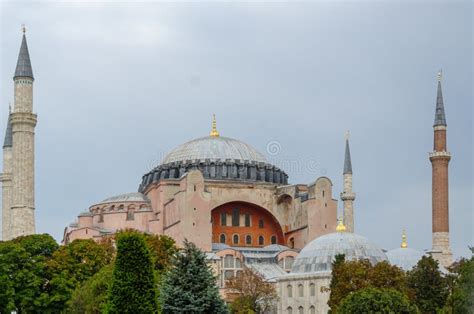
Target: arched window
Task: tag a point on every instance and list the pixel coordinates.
(289, 291)
(222, 238)
(248, 240)
(289, 310)
(312, 310)
(261, 240)
(312, 289)
(300, 290)
(101, 215)
(274, 239)
(121, 207)
(112, 208)
(236, 239)
(300, 310)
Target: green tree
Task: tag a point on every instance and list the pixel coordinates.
(71, 265)
(133, 287)
(461, 299)
(162, 249)
(351, 276)
(373, 300)
(91, 296)
(23, 272)
(189, 286)
(429, 287)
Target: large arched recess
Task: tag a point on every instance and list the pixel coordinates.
(262, 224)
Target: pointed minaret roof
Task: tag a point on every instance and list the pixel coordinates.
(347, 157)
(23, 65)
(440, 117)
(8, 133)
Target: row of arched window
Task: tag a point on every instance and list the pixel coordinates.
(312, 310)
(120, 207)
(301, 292)
(248, 239)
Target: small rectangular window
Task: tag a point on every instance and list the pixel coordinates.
(260, 223)
(247, 220)
(235, 217)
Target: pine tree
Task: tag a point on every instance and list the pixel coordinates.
(189, 286)
(133, 287)
(429, 287)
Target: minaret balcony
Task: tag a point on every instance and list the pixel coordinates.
(348, 196)
(443, 154)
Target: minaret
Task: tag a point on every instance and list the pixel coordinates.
(439, 158)
(23, 122)
(347, 196)
(6, 179)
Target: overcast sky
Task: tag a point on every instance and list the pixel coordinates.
(117, 85)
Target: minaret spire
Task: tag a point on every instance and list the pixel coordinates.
(440, 116)
(440, 158)
(347, 196)
(8, 133)
(23, 65)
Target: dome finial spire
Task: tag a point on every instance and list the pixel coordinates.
(214, 132)
(404, 244)
(440, 75)
(340, 225)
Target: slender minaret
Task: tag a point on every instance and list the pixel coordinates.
(6, 179)
(23, 122)
(347, 196)
(439, 158)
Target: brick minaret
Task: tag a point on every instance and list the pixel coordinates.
(439, 158)
(347, 196)
(23, 122)
(6, 179)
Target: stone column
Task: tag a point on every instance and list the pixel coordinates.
(6, 179)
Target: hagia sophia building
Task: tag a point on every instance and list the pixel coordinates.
(226, 197)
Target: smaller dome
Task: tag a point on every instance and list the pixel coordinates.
(128, 197)
(319, 254)
(405, 258)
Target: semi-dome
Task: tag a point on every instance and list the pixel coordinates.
(218, 158)
(214, 148)
(404, 257)
(319, 254)
(127, 197)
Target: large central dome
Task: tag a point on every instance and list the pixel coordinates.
(218, 158)
(214, 148)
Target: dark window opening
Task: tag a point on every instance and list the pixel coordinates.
(260, 223)
(222, 238)
(248, 240)
(223, 219)
(236, 239)
(247, 220)
(235, 217)
(261, 240)
(274, 239)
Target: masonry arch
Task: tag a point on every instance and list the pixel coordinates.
(244, 219)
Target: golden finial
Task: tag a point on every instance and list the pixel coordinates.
(23, 28)
(440, 75)
(404, 240)
(340, 225)
(348, 134)
(214, 132)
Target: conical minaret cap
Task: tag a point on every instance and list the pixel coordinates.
(440, 116)
(347, 157)
(23, 65)
(8, 134)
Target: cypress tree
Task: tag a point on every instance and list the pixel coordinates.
(133, 287)
(189, 286)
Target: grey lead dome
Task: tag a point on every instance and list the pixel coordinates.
(214, 148)
(319, 254)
